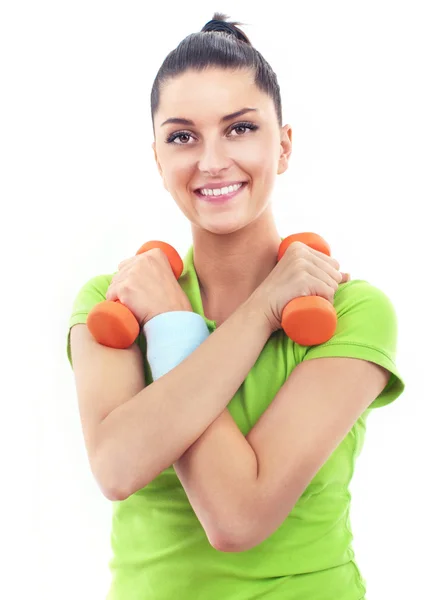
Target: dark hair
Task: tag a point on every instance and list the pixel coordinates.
(218, 44)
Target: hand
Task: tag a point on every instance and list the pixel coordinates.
(146, 284)
(302, 271)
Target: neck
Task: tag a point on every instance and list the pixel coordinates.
(232, 266)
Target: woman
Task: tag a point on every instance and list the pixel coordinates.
(227, 448)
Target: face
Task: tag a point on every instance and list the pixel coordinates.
(249, 148)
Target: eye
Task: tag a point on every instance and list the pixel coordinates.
(180, 134)
(249, 126)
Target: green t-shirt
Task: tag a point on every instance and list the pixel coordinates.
(160, 550)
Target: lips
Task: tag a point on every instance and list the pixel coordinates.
(218, 186)
(220, 199)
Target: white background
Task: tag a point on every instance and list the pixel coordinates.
(79, 192)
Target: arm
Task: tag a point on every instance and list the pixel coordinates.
(147, 433)
(248, 485)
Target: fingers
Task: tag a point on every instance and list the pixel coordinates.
(330, 267)
(301, 247)
(325, 285)
(123, 263)
(111, 290)
(110, 294)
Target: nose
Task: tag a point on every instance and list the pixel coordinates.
(214, 159)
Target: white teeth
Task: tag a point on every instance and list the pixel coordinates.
(220, 192)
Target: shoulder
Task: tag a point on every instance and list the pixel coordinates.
(358, 292)
(366, 313)
(367, 329)
(91, 292)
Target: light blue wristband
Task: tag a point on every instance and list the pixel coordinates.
(171, 337)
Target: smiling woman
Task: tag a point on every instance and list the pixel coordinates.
(218, 149)
(229, 465)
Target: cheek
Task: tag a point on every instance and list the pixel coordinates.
(262, 159)
(178, 175)
(261, 156)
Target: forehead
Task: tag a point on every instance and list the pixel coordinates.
(212, 92)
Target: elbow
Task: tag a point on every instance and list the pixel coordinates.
(110, 491)
(112, 487)
(119, 489)
(239, 535)
(112, 494)
(115, 493)
(117, 478)
(222, 545)
(228, 544)
(232, 538)
(237, 544)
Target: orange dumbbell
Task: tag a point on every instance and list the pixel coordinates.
(113, 324)
(308, 320)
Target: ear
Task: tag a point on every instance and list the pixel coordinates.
(285, 148)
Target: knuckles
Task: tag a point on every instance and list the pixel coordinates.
(297, 249)
(300, 252)
(154, 254)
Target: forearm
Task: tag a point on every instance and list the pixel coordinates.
(151, 431)
(219, 475)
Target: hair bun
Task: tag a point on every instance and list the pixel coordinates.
(215, 25)
(218, 23)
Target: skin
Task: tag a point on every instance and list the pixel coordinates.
(242, 231)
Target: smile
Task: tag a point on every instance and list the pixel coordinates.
(219, 198)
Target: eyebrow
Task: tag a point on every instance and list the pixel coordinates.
(179, 121)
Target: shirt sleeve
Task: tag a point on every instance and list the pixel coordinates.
(90, 294)
(367, 328)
